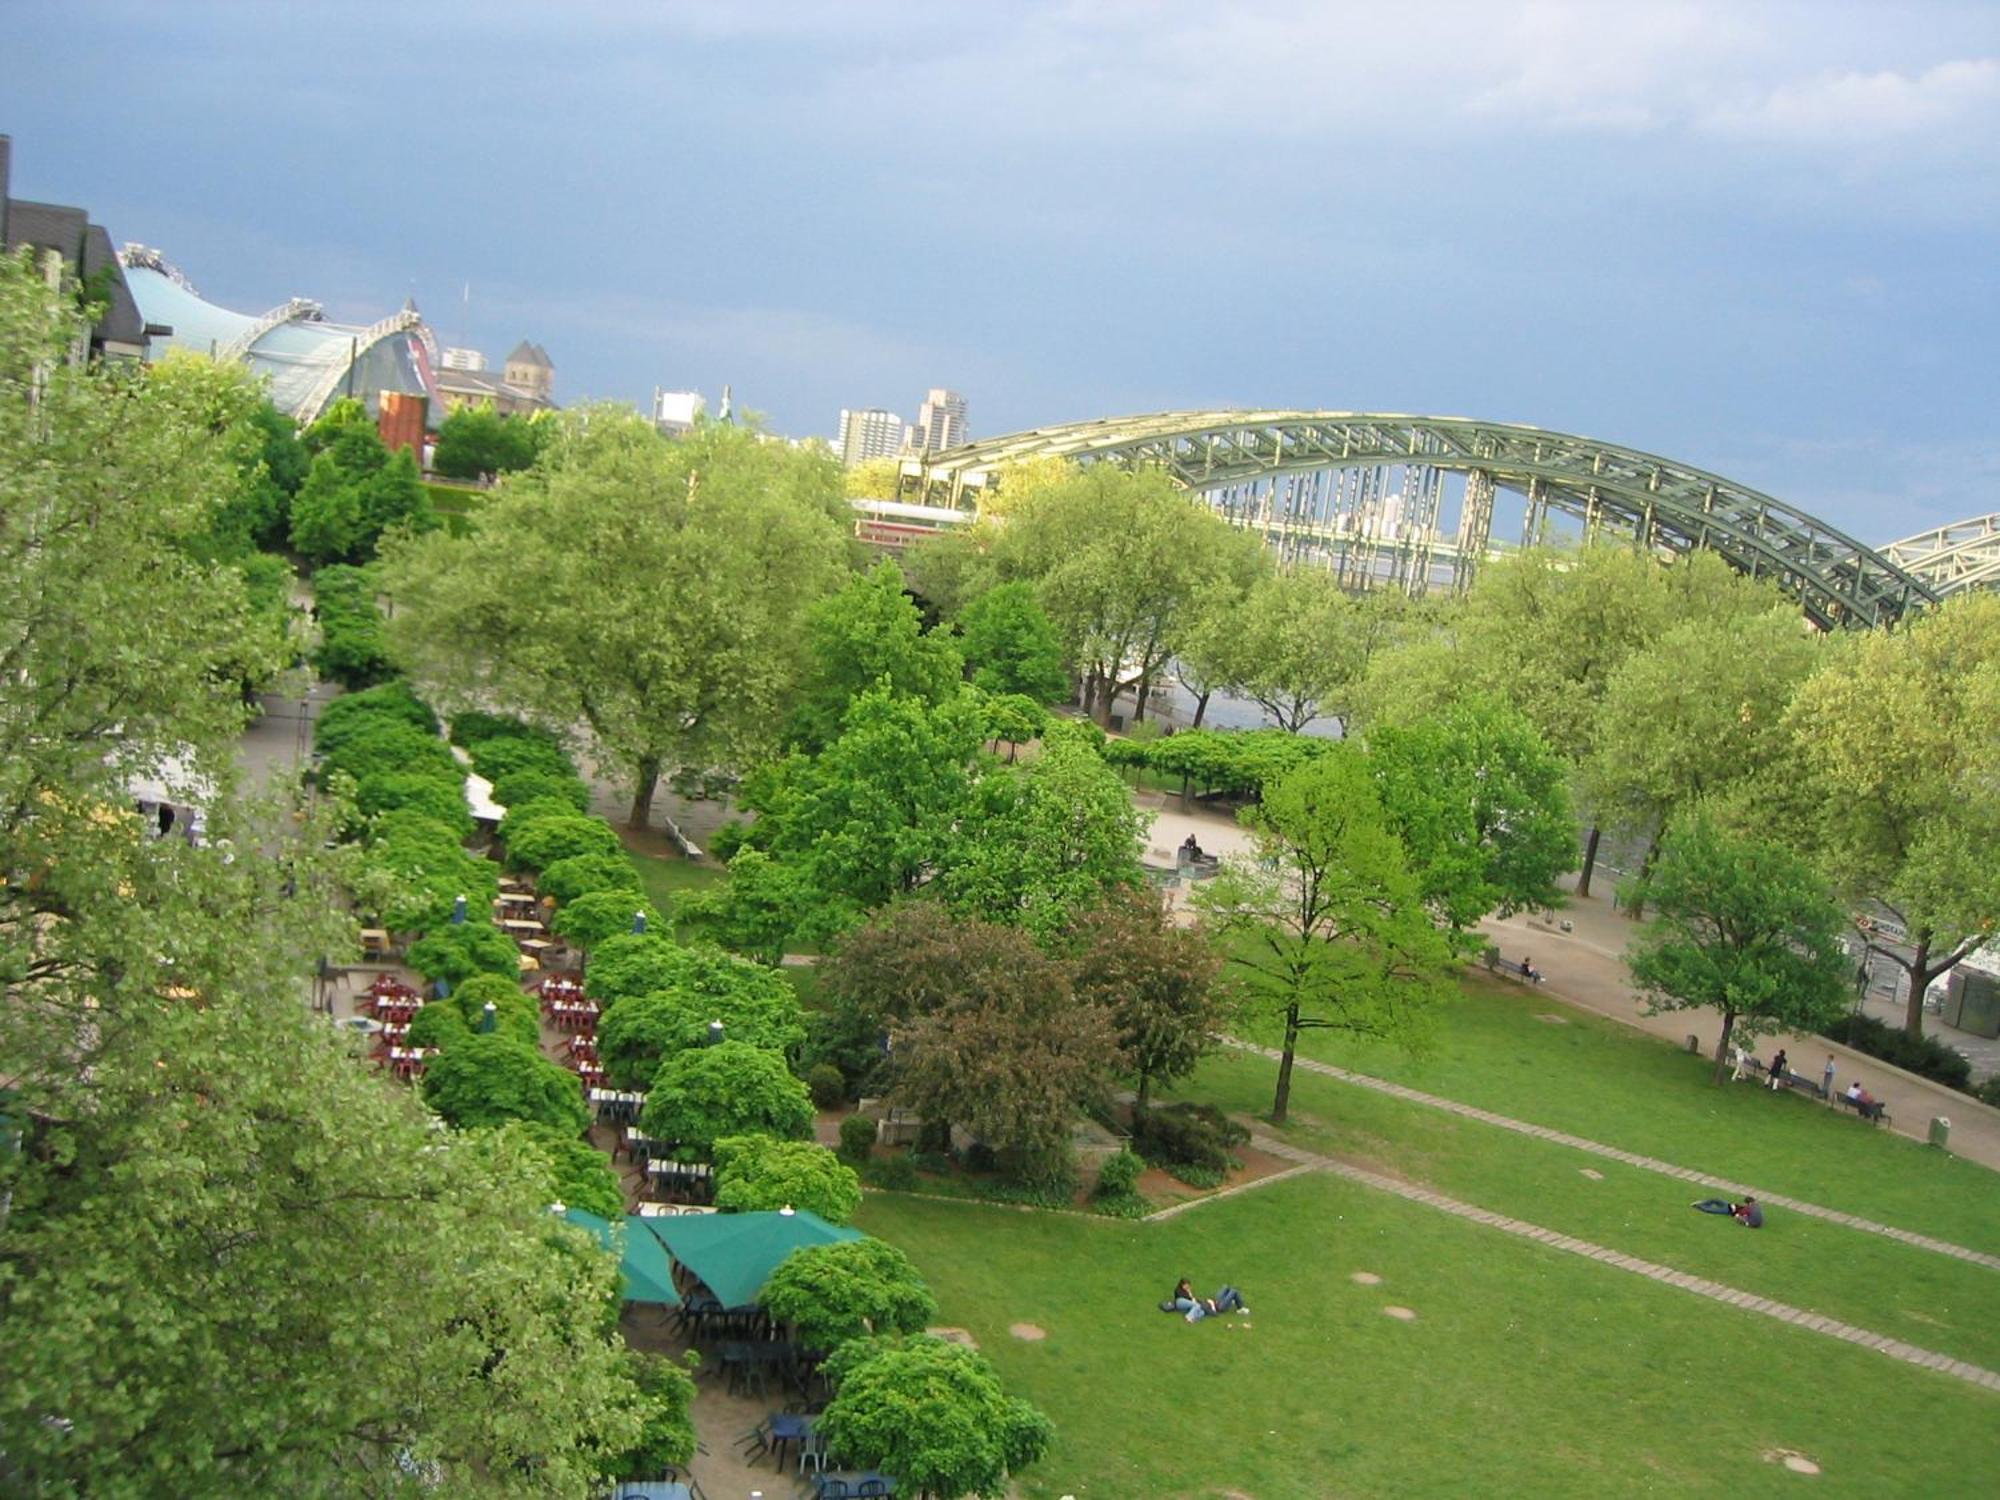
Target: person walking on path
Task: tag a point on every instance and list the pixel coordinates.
(1778, 1066)
(1826, 1081)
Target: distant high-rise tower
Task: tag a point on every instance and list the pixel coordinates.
(869, 433)
(940, 422)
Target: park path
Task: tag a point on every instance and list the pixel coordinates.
(1628, 1158)
(1700, 1286)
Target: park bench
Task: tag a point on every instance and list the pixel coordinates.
(1513, 969)
(1791, 1080)
(1873, 1113)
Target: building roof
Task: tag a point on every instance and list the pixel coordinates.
(526, 353)
(83, 245)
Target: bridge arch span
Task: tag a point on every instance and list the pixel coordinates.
(1366, 493)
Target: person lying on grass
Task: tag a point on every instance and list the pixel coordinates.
(1225, 1301)
(1749, 1213)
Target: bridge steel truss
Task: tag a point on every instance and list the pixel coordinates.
(1963, 555)
(1319, 483)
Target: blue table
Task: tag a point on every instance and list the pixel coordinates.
(655, 1489)
(786, 1427)
(845, 1484)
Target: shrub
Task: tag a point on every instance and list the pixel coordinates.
(583, 874)
(498, 758)
(833, 1293)
(829, 1089)
(1120, 1175)
(521, 814)
(587, 920)
(489, 1080)
(546, 840)
(392, 701)
(1925, 1056)
(389, 747)
(476, 725)
(896, 1173)
(514, 1013)
(754, 1173)
(455, 951)
(1989, 1091)
(732, 1088)
(580, 1176)
(535, 785)
(435, 795)
(1187, 1135)
(438, 1025)
(857, 1139)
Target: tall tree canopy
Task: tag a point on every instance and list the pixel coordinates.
(1011, 646)
(1896, 731)
(476, 440)
(868, 635)
(1742, 926)
(213, 1200)
(1328, 926)
(656, 592)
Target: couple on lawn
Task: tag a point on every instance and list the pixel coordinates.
(1196, 1308)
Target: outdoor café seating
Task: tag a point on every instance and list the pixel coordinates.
(408, 1063)
(616, 1106)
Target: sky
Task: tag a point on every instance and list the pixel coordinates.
(1763, 239)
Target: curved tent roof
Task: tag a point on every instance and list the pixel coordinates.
(647, 1276)
(735, 1254)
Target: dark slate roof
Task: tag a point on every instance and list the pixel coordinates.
(121, 321)
(47, 226)
(87, 248)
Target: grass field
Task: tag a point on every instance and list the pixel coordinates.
(667, 879)
(1527, 1370)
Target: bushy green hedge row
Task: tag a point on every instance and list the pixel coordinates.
(352, 650)
(1240, 762)
(1927, 1057)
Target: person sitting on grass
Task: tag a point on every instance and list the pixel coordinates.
(1183, 1298)
(1225, 1301)
(1749, 1213)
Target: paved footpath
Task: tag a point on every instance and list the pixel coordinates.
(1700, 1286)
(1629, 1158)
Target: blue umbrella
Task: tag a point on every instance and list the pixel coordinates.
(488, 1016)
(458, 912)
(638, 921)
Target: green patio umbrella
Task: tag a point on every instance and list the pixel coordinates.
(735, 1254)
(647, 1275)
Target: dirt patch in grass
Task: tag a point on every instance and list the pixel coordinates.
(1400, 1314)
(954, 1336)
(1365, 1278)
(1028, 1332)
(1160, 1187)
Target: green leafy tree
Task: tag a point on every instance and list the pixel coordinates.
(514, 1012)
(1300, 644)
(1896, 732)
(733, 1088)
(757, 909)
(1015, 718)
(1157, 980)
(1011, 646)
(755, 1173)
(1481, 805)
(869, 636)
(438, 798)
(1744, 927)
(653, 591)
(534, 785)
(488, 1080)
(1038, 843)
(1327, 929)
(578, 875)
(476, 441)
(668, 1438)
(849, 1290)
(212, 1202)
(578, 1174)
(587, 920)
(1012, 1054)
(545, 841)
(456, 951)
(1700, 714)
(756, 1007)
(632, 963)
(870, 817)
(933, 1414)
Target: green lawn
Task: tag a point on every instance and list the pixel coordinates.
(1598, 1079)
(1527, 1371)
(666, 879)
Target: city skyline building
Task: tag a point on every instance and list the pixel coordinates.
(940, 422)
(869, 432)
(676, 412)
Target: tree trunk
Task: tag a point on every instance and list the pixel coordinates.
(1639, 886)
(1144, 1094)
(1589, 860)
(642, 795)
(1145, 692)
(1722, 1046)
(1200, 706)
(1918, 966)
(1282, 1101)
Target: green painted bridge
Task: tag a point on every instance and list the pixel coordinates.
(1408, 502)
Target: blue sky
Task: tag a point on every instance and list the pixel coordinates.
(1756, 237)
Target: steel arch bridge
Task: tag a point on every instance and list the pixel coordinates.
(1963, 555)
(1366, 494)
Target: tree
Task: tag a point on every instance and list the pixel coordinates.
(1896, 732)
(1015, 718)
(754, 1173)
(632, 963)
(655, 592)
(1010, 645)
(1117, 559)
(848, 1290)
(1157, 980)
(933, 1414)
(455, 951)
(733, 1088)
(1328, 926)
(487, 1080)
(1302, 644)
(667, 1438)
(576, 876)
(1742, 926)
(355, 491)
(870, 816)
(578, 1174)
(587, 920)
(1012, 1055)
(757, 909)
(476, 441)
(1481, 805)
(1036, 843)
(753, 1004)
(868, 636)
(1699, 714)
(544, 842)
(211, 1202)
